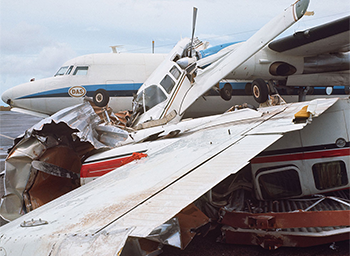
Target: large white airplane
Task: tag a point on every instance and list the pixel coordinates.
(317, 58)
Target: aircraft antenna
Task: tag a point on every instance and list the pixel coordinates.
(193, 28)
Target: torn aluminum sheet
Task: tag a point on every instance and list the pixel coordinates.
(180, 230)
(48, 157)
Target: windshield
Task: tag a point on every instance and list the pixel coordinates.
(61, 71)
(149, 97)
(80, 71)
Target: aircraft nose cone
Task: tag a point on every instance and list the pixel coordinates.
(6, 97)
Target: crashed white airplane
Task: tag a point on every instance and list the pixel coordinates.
(162, 198)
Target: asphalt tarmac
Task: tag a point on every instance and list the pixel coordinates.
(13, 124)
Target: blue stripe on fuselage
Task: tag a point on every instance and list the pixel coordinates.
(112, 89)
(128, 90)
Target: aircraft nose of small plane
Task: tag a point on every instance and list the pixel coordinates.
(6, 96)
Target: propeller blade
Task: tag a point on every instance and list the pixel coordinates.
(193, 27)
(228, 63)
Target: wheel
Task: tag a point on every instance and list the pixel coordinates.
(101, 98)
(226, 92)
(260, 90)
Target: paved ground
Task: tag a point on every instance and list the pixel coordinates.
(13, 124)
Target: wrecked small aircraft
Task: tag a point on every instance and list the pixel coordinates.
(162, 181)
(265, 175)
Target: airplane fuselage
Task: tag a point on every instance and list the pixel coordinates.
(121, 75)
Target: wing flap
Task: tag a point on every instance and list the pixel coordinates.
(29, 112)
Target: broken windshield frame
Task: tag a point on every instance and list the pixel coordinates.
(149, 97)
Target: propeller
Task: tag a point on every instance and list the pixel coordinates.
(193, 28)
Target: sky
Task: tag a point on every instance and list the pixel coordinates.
(38, 36)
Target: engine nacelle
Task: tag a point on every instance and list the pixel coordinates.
(282, 69)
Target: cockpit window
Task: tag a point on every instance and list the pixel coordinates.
(150, 97)
(167, 83)
(69, 70)
(81, 71)
(175, 72)
(61, 71)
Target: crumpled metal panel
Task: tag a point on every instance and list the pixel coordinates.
(78, 124)
(17, 169)
(110, 135)
(80, 118)
(180, 230)
(85, 125)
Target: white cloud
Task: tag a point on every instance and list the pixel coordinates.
(45, 62)
(22, 38)
(17, 69)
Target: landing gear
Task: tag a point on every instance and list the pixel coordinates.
(346, 90)
(101, 98)
(260, 90)
(303, 91)
(226, 92)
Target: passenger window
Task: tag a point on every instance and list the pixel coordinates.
(81, 71)
(330, 175)
(280, 184)
(175, 72)
(167, 83)
(61, 71)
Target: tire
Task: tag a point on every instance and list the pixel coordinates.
(226, 92)
(260, 90)
(101, 98)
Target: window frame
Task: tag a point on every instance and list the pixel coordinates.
(344, 180)
(58, 73)
(168, 89)
(81, 68)
(265, 194)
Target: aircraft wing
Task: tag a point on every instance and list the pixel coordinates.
(222, 67)
(29, 112)
(97, 218)
(327, 38)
